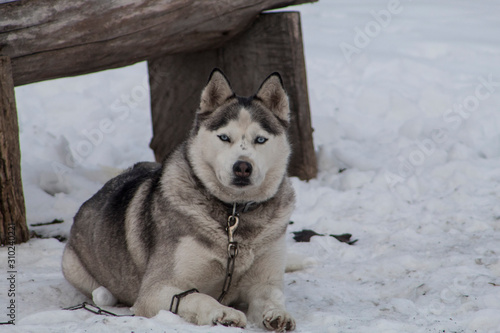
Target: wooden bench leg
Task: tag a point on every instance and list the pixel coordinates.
(273, 43)
(13, 228)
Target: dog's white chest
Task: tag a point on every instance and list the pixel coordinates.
(205, 267)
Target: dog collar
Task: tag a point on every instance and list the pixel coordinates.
(239, 208)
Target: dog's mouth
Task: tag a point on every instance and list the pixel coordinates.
(241, 181)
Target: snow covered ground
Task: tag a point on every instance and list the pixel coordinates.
(405, 96)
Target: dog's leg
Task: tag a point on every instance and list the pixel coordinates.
(196, 308)
(76, 274)
(263, 290)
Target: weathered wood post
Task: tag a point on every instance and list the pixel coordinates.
(272, 43)
(13, 228)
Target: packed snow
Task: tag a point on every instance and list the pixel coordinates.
(405, 100)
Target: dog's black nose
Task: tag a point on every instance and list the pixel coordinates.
(242, 169)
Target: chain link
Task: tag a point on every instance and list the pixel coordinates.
(95, 310)
(176, 299)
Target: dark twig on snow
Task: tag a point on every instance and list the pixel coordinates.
(306, 234)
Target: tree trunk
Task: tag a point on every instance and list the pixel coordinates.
(13, 229)
(272, 43)
(48, 39)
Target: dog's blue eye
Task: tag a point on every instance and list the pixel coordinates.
(260, 140)
(224, 138)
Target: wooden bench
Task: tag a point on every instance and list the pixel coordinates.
(181, 40)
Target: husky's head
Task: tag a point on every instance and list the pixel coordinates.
(239, 147)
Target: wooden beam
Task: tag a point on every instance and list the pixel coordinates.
(49, 39)
(13, 229)
(272, 43)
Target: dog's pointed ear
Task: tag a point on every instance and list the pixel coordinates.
(273, 95)
(216, 92)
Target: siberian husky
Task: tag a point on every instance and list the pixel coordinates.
(158, 234)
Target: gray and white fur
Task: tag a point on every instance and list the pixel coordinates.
(158, 230)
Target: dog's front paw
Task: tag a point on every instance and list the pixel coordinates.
(227, 316)
(278, 320)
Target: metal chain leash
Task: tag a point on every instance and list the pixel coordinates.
(95, 310)
(232, 252)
